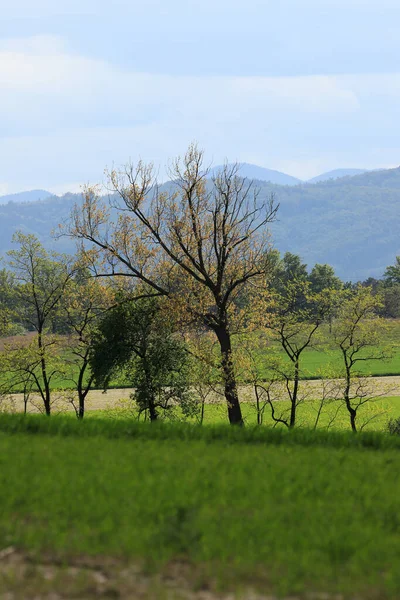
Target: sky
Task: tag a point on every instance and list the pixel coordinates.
(301, 86)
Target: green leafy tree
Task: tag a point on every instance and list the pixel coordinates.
(138, 337)
(205, 372)
(7, 289)
(322, 277)
(284, 270)
(7, 302)
(83, 304)
(392, 273)
(31, 370)
(41, 280)
(391, 301)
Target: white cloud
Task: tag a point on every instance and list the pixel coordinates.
(65, 88)
(67, 116)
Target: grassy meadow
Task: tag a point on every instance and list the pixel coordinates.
(374, 416)
(116, 507)
(315, 362)
(281, 513)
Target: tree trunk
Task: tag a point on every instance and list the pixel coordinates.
(152, 410)
(149, 392)
(259, 415)
(231, 393)
(294, 395)
(81, 391)
(46, 385)
(353, 415)
(351, 410)
(47, 402)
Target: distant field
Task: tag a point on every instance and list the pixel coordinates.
(314, 362)
(225, 509)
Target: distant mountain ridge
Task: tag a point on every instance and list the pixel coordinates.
(258, 173)
(337, 174)
(29, 196)
(352, 223)
(250, 171)
(246, 170)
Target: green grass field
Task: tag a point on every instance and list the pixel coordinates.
(374, 416)
(285, 513)
(314, 362)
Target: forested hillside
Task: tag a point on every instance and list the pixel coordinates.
(336, 174)
(30, 196)
(351, 223)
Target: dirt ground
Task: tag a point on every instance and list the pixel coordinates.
(23, 578)
(113, 398)
(17, 340)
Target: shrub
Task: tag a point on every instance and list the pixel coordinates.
(393, 426)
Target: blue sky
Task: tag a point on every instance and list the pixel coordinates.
(301, 86)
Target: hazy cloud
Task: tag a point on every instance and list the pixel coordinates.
(301, 87)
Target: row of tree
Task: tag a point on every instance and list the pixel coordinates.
(158, 271)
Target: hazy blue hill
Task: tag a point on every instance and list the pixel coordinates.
(382, 178)
(336, 174)
(352, 223)
(259, 173)
(38, 218)
(30, 196)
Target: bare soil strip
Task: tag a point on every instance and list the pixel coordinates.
(22, 578)
(114, 398)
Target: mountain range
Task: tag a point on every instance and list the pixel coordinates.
(246, 170)
(352, 222)
(337, 174)
(261, 174)
(30, 196)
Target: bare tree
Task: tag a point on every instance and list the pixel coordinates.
(197, 242)
(295, 322)
(358, 333)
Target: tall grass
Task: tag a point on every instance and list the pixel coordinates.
(283, 512)
(66, 426)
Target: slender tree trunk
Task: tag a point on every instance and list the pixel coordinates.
(231, 393)
(46, 385)
(202, 411)
(351, 410)
(259, 416)
(294, 395)
(152, 410)
(81, 403)
(353, 415)
(150, 394)
(81, 390)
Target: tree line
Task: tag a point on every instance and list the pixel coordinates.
(162, 284)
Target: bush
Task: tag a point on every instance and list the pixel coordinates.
(393, 426)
